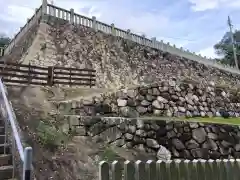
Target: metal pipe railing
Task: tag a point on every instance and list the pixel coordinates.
(12, 136)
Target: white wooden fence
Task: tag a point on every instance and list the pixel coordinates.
(71, 16)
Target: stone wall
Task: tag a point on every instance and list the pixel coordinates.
(118, 62)
(21, 48)
(166, 140)
(167, 98)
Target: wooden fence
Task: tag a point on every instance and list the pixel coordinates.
(171, 170)
(46, 76)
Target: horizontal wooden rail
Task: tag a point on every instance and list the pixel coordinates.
(21, 76)
(18, 81)
(75, 69)
(74, 74)
(22, 71)
(23, 65)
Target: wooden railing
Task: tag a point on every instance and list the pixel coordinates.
(46, 76)
(226, 169)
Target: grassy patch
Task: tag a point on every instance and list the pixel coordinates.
(214, 120)
(108, 154)
(51, 134)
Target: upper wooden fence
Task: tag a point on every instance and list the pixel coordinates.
(46, 76)
(171, 170)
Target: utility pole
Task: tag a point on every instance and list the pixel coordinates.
(233, 42)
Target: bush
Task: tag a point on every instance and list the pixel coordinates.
(50, 136)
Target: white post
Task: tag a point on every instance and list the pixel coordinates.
(129, 37)
(94, 24)
(143, 39)
(113, 29)
(44, 7)
(44, 10)
(154, 42)
(27, 164)
(71, 16)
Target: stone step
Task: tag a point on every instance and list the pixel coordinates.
(7, 148)
(2, 139)
(2, 122)
(6, 172)
(2, 130)
(5, 159)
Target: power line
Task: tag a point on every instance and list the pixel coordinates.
(232, 41)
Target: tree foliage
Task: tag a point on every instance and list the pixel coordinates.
(4, 40)
(224, 48)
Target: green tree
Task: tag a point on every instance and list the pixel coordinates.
(224, 48)
(4, 40)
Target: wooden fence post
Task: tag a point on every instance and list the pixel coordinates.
(209, 170)
(150, 170)
(90, 77)
(50, 80)
(129, 170)
(174, 169)
(104, 171)
(236, 167)
(161, 170)
(116, 171)
(223, 170)
(230, 168)
(183, 168)
(70, 78)
(29, 73)
(201, 169)
(214, 169)
(140, 170)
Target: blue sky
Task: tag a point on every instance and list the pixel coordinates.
(193, 24)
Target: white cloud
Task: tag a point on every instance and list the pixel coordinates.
(79, 6)
(202, 5)
(209, 52)
(145, 23)
(172, 23)
(17, 14)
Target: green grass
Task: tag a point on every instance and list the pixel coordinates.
(215, 120)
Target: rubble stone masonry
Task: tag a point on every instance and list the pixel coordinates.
(118, 62)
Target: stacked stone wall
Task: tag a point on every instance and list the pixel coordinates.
(167, 98)
(163, 139)
(118, 62)
(117, 119)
